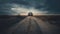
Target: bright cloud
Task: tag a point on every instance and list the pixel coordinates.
(25, 11)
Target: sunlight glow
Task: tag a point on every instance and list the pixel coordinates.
(25, 11)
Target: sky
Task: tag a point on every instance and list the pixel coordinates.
(14, 7)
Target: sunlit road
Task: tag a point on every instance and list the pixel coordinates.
(33, 25)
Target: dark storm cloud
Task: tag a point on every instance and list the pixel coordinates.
(35, 3)
(5, 7)
(52, 6)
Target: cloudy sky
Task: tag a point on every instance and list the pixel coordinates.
(12, 7)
